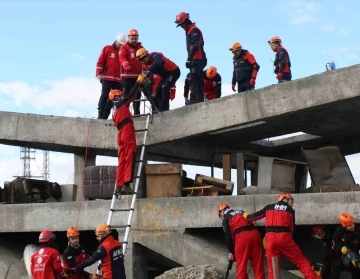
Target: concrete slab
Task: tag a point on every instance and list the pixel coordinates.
(300, 105)
(170, 214)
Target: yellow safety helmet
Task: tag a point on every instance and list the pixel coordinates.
(274, 39)
(103, 229)
(236, 46)
(141, 53)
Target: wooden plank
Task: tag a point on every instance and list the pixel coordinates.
(215, 181)
(199, 188)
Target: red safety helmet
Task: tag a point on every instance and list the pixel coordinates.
(345, 219)
(318, 229)
(46, 236)
(181, 17)
(221, 207)
(284, 196)
(133, 32)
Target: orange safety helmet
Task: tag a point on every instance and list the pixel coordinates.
(181, 17)
(103, 229)
(221, 207)
(211, 72)
(113, 93)
(284, 196)
(318, 229)
(46, 236)
(133, 32)
(274, 39)
(345, 219)
(236, 46)
(72, 231)
(141, 53)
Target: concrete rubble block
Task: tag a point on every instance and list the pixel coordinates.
(191, 272)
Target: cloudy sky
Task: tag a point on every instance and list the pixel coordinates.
(49, 50)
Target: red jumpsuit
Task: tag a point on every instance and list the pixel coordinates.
(280, 224)
(212, 87)
(126, 139)
(46, 264)
(248, 245)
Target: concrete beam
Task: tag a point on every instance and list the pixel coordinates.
(170, 213)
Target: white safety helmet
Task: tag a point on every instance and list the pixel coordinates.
(121, 38)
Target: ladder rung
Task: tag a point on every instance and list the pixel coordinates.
(140, 100)
(139, 161)
(120, 227)
(140, 145)
(141, 130)
(140, 115)
(121, 210)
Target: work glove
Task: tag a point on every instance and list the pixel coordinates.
(99, 77)
(252, 82)
(172, 93)
(279, 75)
(187, 102)
(232, 257)
(233, 87)
(94, 276)
(245, 214)
(127, 66)
(141, 79)
(188, 64)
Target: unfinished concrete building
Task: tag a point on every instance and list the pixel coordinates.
(181, 227)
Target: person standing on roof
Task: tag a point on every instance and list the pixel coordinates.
(196, 60)
(126, 138)
(243, 241)
(130, 67)
(108, 73)
(282, 62)
(109, 253)
(346, 235)
(212, 83)
(46, 263)
(279, 226)
(157, 63)
(75, 254)
(245, 68)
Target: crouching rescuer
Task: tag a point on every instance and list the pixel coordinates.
(109, 253)
(243, 241)
(126, 138)
(157, 63)
(279, 226)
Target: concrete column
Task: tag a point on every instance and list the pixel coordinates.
(240, 171)
(265, 174)
(79, 171)
(136, 258)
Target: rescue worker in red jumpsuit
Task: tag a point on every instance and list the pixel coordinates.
(108, 73)
(346, 235)
(46, 263)
(196, 60)
(279, 226)
(243, 241)
(245, 68)
(282, 62)
(212, 83)
(75, 254)
(157, 63)
(109, 253)
(130, 66)
(126, 139)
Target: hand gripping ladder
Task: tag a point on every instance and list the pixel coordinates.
(136, 186)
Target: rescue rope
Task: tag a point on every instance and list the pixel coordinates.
(84, 166)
